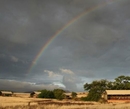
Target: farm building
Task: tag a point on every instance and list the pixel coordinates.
(22, 95)
(68, 95)
(116, 95)
(6, 93)
(34, 94)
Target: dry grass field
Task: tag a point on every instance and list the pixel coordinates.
(36, 103)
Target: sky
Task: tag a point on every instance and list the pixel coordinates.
(48, 44)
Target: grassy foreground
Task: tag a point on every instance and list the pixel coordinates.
(101, 106)
(35, 103)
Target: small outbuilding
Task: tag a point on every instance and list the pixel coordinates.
(6, 93)
(21, 95)
(116, 95)
(68, 95)
(34, 94)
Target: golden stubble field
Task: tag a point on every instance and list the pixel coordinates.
(37, 103)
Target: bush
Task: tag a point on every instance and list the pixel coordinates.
(46, 94)
(56, 93)
(59, 94)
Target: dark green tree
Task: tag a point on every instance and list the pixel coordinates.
(122, 83)
(95, 89)
(46, 94)
(59, 94)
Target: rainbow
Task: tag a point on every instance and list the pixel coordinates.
(35, 60)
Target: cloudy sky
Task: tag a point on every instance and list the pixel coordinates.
(94, 46)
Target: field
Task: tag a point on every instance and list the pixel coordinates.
(36, 103)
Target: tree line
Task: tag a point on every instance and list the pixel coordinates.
(55, 94)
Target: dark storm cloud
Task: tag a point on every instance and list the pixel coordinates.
(101, 47)
(94, 46)
(102, 33)
(26, 25)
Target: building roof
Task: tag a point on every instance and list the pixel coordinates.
(67, 93)
(118, 92)
(36, 92)
(6, 92)
(20, 93)
(80, 93)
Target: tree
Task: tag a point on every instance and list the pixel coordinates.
(74, 94)
(122, 83)
(59, 94)
(95, 89)
(46, 94)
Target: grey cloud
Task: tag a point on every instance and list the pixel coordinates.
(69, 82)
(70, 79)
(20, 86)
